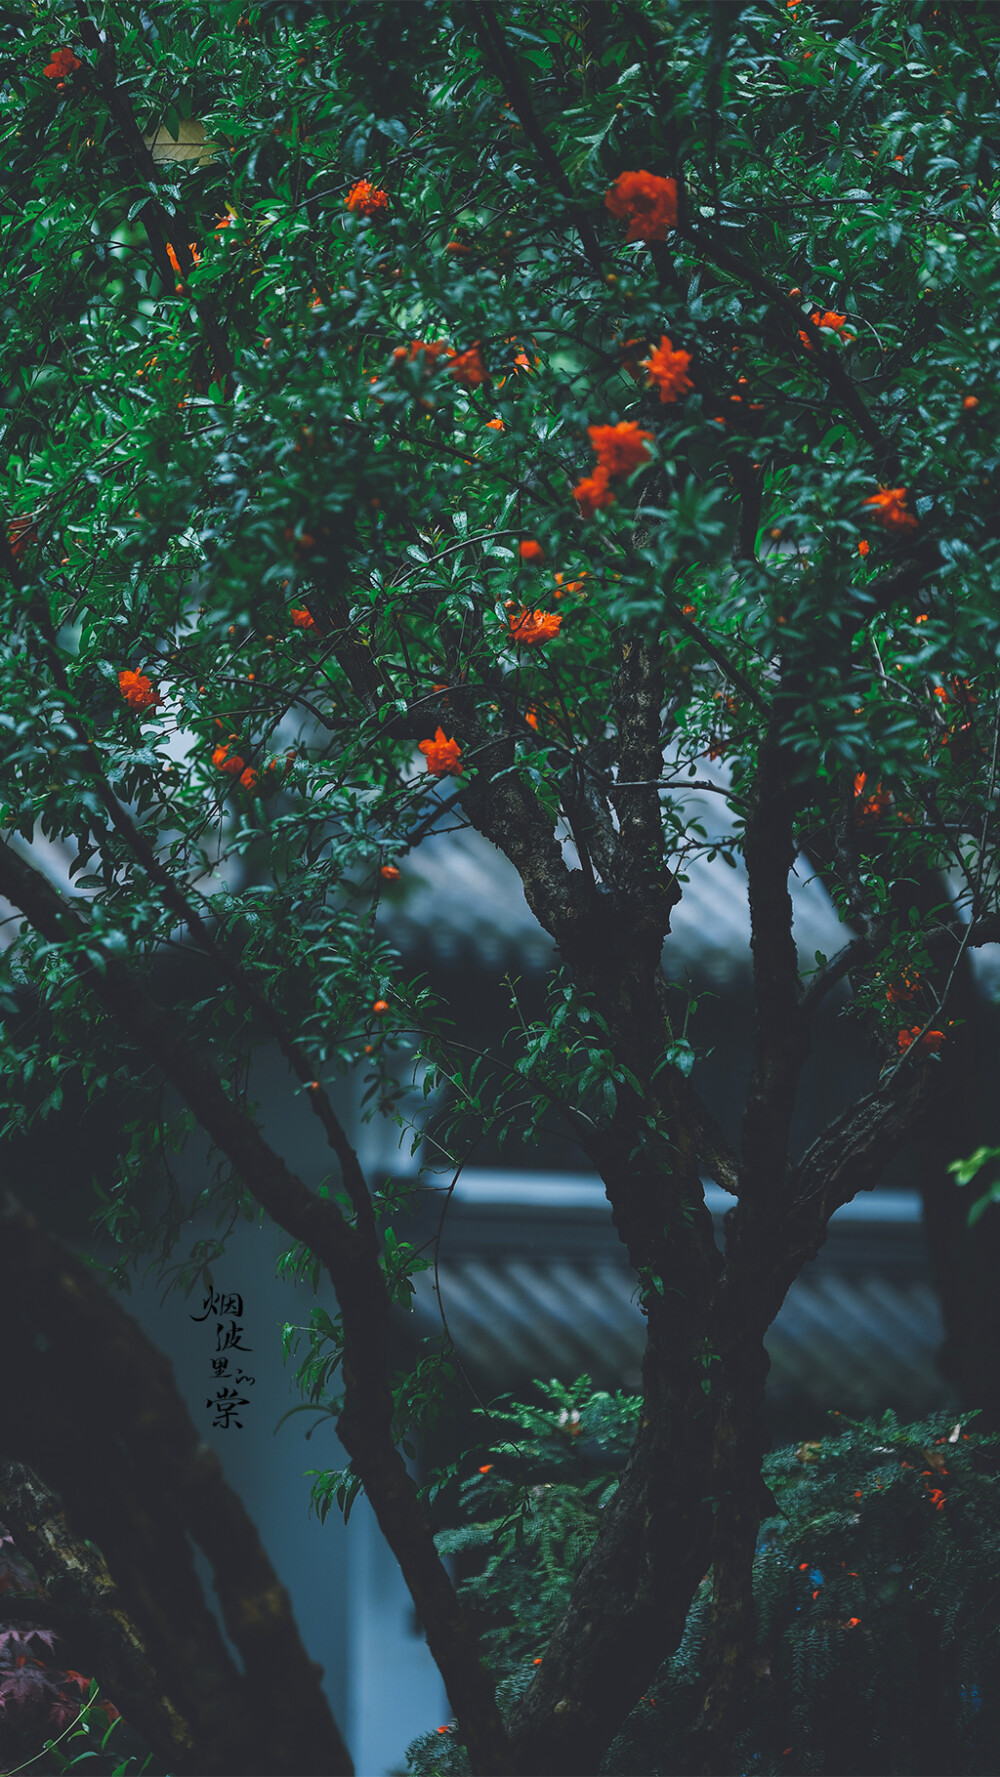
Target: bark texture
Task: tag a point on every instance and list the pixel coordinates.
(92, 1405)
(88, 1611)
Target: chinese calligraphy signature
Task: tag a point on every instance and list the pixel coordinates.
(226, 1308)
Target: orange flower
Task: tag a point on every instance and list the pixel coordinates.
(230, 763)
(931, 1041)
(468, 368)
(835, 322)
(903, 989)
(63, 64)
(432, 350)
(495, 426)
(365, 199)
(873, 804)
(648, 201)
(667, 370)
(891, 504)
(249, 778)
(593, 492)
(389, 873)
(864, 546)
(828, 319)
(570, 586)
(301, 618)
(530, 628)
(961, 692)
(442, 755)
(620, 449)
(530, 550)
(380, 1008)
(195, 255)
(137, 691)
(485, 1468)
(21, 535)
(969, 402)
(531, 716)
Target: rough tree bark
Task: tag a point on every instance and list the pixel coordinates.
(86, 1609)
(137, 1479)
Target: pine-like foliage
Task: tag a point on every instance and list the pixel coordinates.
(534, 1509)
(529, 1514)
(877, 1587)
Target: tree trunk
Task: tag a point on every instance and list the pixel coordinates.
(87, 1610)
(93, 1406)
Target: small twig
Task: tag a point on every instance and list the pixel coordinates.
(858, 950)
(721, 658)
(682, 783)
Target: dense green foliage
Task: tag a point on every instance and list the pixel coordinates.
(876, 1587)
(534, 1508)
(419, 413)
(201, 455)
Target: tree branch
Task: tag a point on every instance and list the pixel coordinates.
(751, 487)
(826, 360)
(161, 230)
(365, 1423)
(848, 1156)
(853, 954)
(726, 664)
(985, 930)
(508, 70)
(645, 885)
(779, 1052)
(179, 903)
(753, 1228)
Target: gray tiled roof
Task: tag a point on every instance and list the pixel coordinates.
(461, 898)
(531, 1289)
(462, 901)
